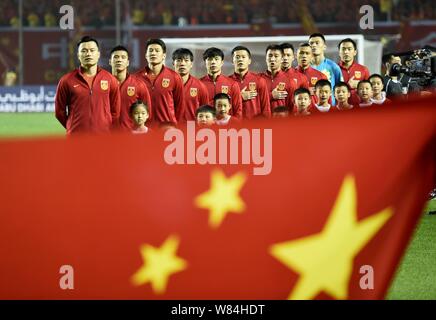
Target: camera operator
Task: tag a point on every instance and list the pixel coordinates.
(397, 84)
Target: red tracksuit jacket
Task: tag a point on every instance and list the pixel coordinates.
(300, 80)
(196, 95)
(224, 84)
(166, 95)
(261, 104)
(282, 82)
(312, 76)
(80, 108)
(359, 72)
(133, 89)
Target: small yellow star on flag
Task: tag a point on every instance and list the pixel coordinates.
(159, 265)
(222, 197)
(325, 260)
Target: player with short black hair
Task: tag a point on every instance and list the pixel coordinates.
(131, 88)
(195, 92)
(155, 41)
(181, 53)
(216, 82)
(89, 87)
(304, 57)
(280, 86)
(274, 47)
(119, 48)
(85, 39)
(242, 48)
(321, 63)
(165, 85)
(288, 55)
(213, 52)
(352, 72)
(288, 59)
(317, 35)
(254, 90)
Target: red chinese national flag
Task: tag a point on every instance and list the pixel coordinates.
(106, 217)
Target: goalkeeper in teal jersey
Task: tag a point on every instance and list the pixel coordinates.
(323, 64)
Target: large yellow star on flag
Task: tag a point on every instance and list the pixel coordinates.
(222, 197)
(159, 265)
(324, 261)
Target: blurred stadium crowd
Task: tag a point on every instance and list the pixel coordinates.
(197, 12)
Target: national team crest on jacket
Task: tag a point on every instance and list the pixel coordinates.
(165, 83)
(252, 86)
(130, 91)
(281, 86)
(357, 74)
(104, 84)
(225, 89)
(313, 80)
(193, 92)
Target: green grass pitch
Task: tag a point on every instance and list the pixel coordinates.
(29, 125)
(415, 278)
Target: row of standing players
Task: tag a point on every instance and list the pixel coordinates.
(90, 99)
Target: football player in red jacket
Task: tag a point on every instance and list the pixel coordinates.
(88, 98)
(165, 85)
(195, 92)
(132, 89)
(216, 82)
(254, 91)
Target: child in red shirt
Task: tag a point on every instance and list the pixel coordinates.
(223, 107)
(139, 113)
(302, 102)
(364, 90)
(378, 95)
(342, 95)
(323, 91)
(205, 116)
